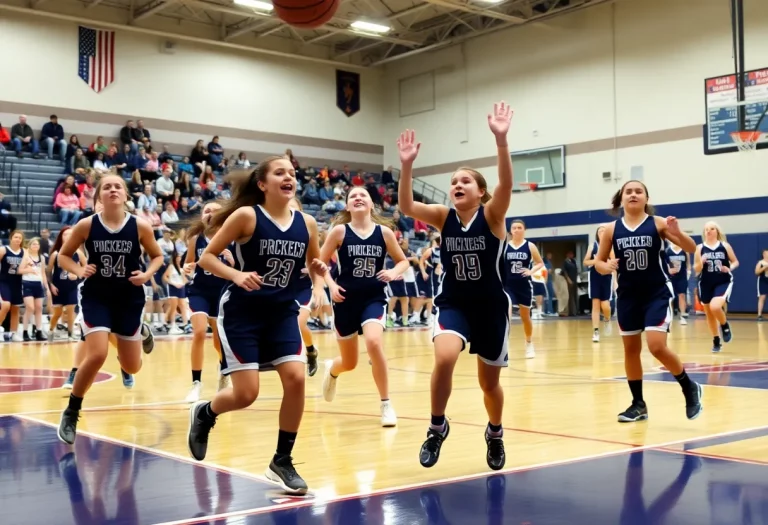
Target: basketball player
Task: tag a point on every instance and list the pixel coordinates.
(63, 286)
(471, 305)
(112, 296)
(761, 270)
(362, 239)
(430, 264)
(679, 263)
(258, 312)
(204, 294)
(10, 283)
(305, 309)
(600, 288)
(522, 260)
(34, 289)
(644, 294)
(714, 262)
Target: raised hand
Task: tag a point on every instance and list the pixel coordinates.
(672, 225)
(408, 147)
(500, 119)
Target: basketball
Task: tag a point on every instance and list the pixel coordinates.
(307, 14)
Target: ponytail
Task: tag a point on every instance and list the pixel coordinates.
(615, 210)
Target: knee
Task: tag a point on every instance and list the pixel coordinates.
(293, 382)
(373, 344)
(246, 395)
(98, 356)
(488, 384)
(349, 360)
(657, 347)
(198, 335)
(131, 367)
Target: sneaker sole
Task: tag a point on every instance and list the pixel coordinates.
(274, 478)
(58, 433)
(701, 405)
(192, 411)
(623, 419)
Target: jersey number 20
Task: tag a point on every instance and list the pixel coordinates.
(636, 259)
(467, 266)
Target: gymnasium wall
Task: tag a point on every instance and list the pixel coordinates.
(620, 85)
(256, 103)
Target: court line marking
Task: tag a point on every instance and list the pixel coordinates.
(455, 479)
(107, 380)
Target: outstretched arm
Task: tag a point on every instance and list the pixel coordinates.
(496, 209)
(432, 214)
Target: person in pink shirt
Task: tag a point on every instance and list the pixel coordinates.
(68, 205)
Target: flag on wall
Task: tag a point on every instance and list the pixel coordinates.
(97, 58)
(348, 92)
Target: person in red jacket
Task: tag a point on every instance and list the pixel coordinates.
(5, 137)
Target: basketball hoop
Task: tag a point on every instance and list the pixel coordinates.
(747, 140)
(528, 186)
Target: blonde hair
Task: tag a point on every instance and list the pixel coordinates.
(345, 216)
(33, 239)
(720, 235)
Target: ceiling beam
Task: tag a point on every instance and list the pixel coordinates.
(151, 8)
(94, 3)
(467, 8)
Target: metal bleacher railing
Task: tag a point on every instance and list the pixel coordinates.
(428, 193)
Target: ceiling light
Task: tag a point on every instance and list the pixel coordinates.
(255, 4)
(370, 27)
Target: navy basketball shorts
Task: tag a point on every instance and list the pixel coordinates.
(204, 301)
(679, 284)
(520, 291)
(258, 336)
(485, 326)
(352, 314)
(178, 293)
(118, 313)
(600, 286)
(397, 289)
(32, 289)
(424, 287)
(762, 286)
(305, 298)
(66, 297)
(637, 311)
(709, 290)
(10, 292)
(539, 289)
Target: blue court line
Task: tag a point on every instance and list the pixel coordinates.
(724, 440)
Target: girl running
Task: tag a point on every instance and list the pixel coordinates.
(714, 262)
(34, 287)
(175, 280)
(112, 296)
(600, 288)
(471, 306)
(258, 317)
(644, 295)
(679, 263)
(63, 286)
(362, 239)
(761, 270)
(10, 283)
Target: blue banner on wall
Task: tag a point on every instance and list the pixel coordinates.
(348, 92)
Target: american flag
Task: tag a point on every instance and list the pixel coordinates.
(97, 58)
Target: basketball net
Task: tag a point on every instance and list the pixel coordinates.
(747, 140)
(528, 186)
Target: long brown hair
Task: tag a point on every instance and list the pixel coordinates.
(479, 179)
(245, 191)
(616, 200)
(345, 216)
(59, 242)
(196, 226)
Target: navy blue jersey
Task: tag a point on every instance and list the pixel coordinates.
(713, 260)
(116, 254)
(203, 280)
(433, 259)
(517, 259)
(277, 254)
(472, 259)
(360, 259)
(678, 259)
(640, 254)
(60, 276)
(9, 265)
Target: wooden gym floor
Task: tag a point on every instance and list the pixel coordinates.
(568, 460)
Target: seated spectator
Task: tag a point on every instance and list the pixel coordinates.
(5, 138)
(99, 164)
(196, 200)
(326, 192)
(79, 163)
(165, 156)
(130, 136)
(136, 187)
(420, 229)
(53, 135)
(7, 220)
(69, 207)
(199, 157)
(168, 164)
(111, 156)
(169, 216)
(68, 180)
(339, 189)
(147, 201)
(334, 206)
(386, 176)
(185, 166)
(389, 200)
(206, 177)
(152, 218)
(357, 180)
(184, 184)
(144, 135)
(242, 161)
(87, 193)
(164, 185)
(311, 194)
(97, 147)
(23, 138)
(176, 198)
(215, 153)
(124, 161)
(401, 222)
(322, 175)
(373, 189)
(72, 146)
(153, 165)
(183, 210)
(210, 191)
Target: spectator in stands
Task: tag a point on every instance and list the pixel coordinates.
(294, 160)
(124, 162)
(79, 163)
(389, 199)
(199, 157)
(420, 230)
(326, 192)
(99, 164)
(373, 190)
(144, 134)
(215, 153)
(87, 193)
(176, 198)
(206, 177)
(68, 205)
(72, 146)
(131, 136)
(7, 220)
(169, 216)
(53, 135)
(311, 194)
(401, 222)
(164, 186)
(334, 206)
(386, 176)
(140, 162)
(23, 138)
(5, 138)
(185, 166)
(147, 201)
(242, 161)
(183, 210)
(184, 184)
(96, 147)
(165, 156)
(68, 180)
(153, 165)
(136, 187)
(357, 180)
